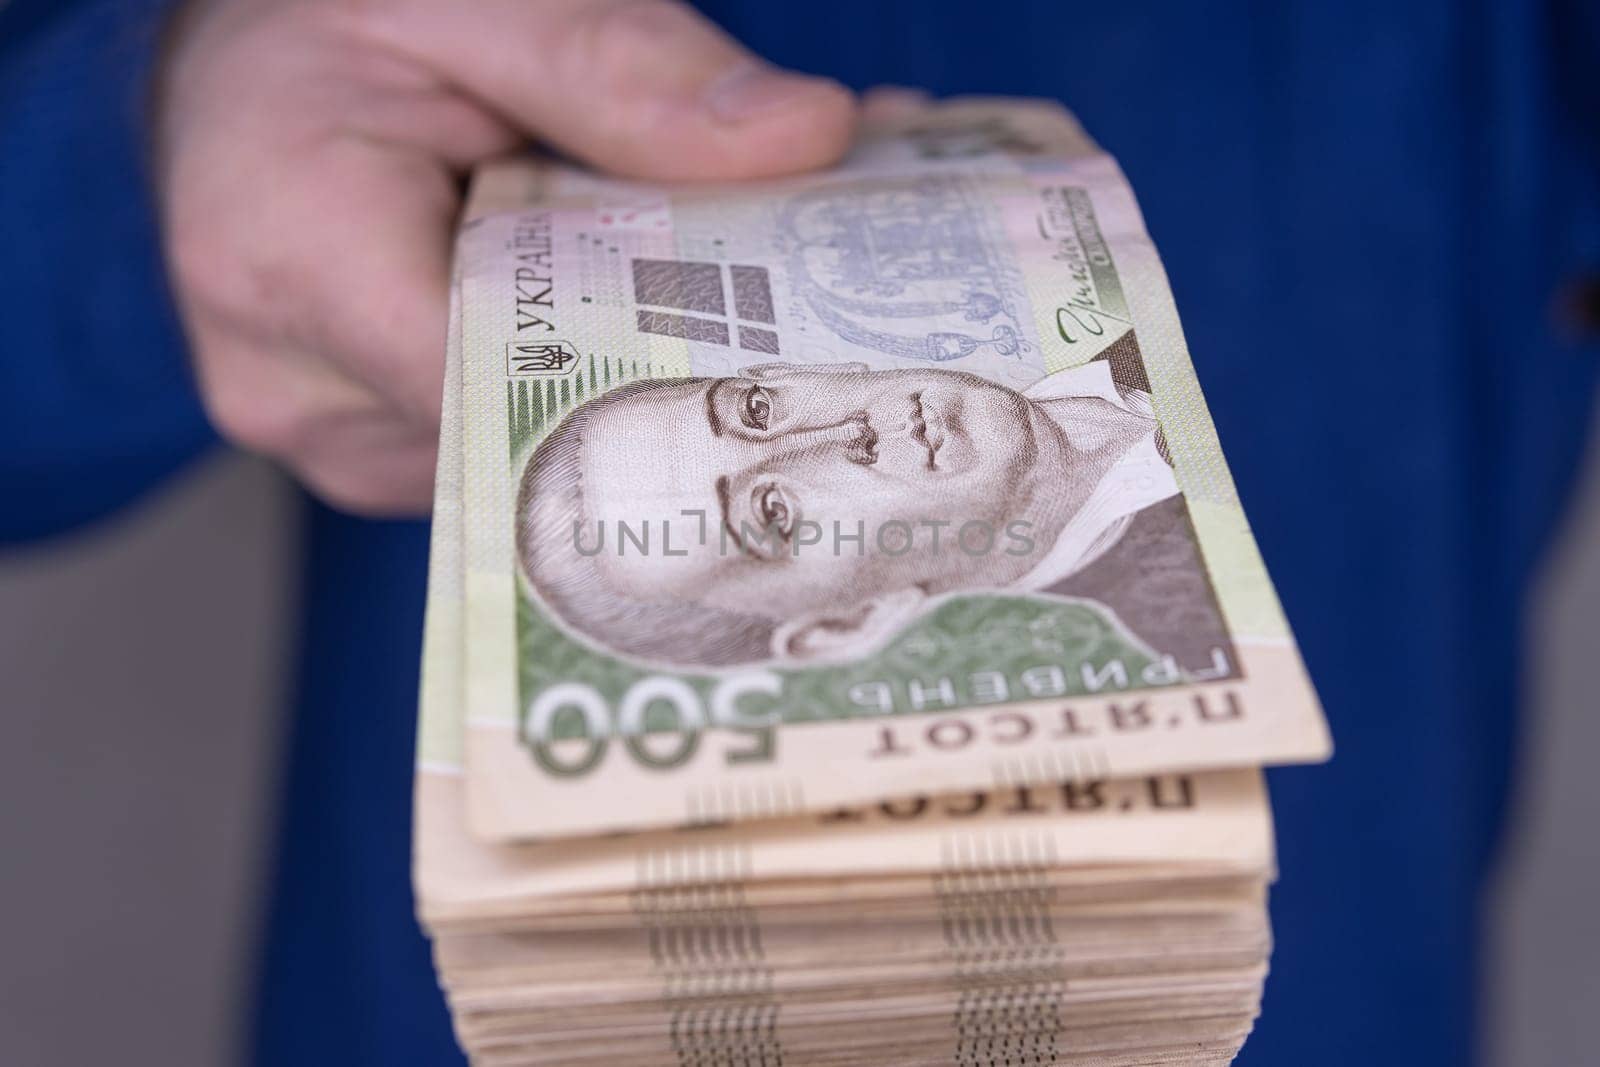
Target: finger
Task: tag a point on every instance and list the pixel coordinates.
(343, 257)
(349, 445)
(374, 466)
(264, 398)
(647, 88)
(891, 103)
(371, 266)
(305, 241)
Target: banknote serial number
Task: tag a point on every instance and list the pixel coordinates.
(1155, 793)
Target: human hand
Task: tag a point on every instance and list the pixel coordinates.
(309, 155)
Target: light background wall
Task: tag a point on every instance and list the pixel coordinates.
(141, 677)
(1544, 943)
(141, 672)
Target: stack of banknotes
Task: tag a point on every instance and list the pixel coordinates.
(845, 644)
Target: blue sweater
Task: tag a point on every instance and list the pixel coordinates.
(1366, 209)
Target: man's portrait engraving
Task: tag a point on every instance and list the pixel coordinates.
(809, 514)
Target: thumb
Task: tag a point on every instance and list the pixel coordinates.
(646, 88)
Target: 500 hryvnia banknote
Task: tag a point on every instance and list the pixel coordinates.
(891, 480)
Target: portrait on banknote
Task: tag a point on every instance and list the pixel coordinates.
(808, 514)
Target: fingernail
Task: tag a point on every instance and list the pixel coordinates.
(751, 89)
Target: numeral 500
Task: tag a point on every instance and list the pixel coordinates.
(656, 746)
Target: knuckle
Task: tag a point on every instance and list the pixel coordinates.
(197, 263)
(210, 274)
(619, 39)
(629, 51)
(646, 19)
(251, 420)
(360, 19)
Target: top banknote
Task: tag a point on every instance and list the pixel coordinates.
(887, 481)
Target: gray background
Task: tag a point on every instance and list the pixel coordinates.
(141, 682)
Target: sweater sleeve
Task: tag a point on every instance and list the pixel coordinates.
(96, 400)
